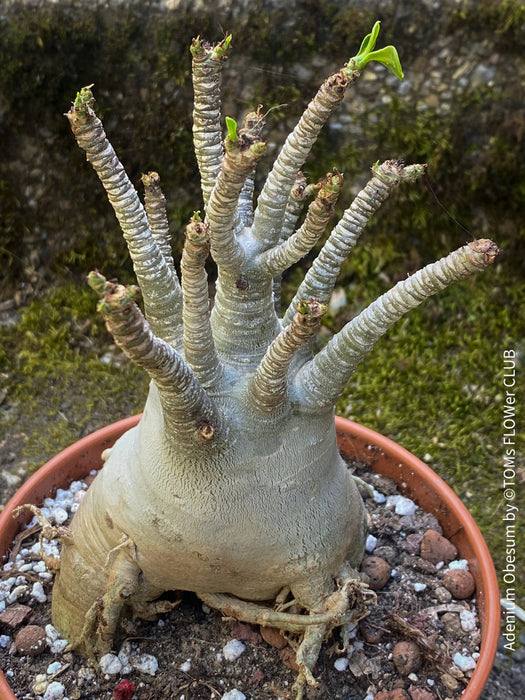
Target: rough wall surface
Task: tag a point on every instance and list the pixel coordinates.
(458, 109)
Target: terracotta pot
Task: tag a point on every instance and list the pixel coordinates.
(386, 457)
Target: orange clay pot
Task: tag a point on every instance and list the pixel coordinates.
(415, 479)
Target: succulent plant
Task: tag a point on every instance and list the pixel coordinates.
(232, 485)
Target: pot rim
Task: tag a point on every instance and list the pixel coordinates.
(376, 448)
(458, 525)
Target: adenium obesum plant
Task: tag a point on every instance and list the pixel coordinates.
(231, 485)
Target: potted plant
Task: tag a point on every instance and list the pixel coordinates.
(224, 486)
(354, 440)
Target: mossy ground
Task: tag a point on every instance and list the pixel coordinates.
(62, 376)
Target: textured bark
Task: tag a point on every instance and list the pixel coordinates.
(268, 388)
(155, 205)
(272, 201)
(199, 346)
(160, 286)
(322, 275)
(207, 132)
(317, 383)
(302, 241)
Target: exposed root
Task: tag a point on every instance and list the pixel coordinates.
(256, 614)
(150, 610)
(424, 638)
(104, 614)
(122, 591)
(87, 638)
(363, 484)
(348, 604)
(308, 652)
(282, 597)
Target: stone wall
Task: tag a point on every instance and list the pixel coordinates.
(459, 108)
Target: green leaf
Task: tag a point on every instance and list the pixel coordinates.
(388, 57)
(231, 125)
(84, 98)
(222, 48)
(369, 41)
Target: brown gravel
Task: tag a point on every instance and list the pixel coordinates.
(435, 548)
(459, 583)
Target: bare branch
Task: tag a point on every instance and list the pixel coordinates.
(207, 133)
(189, 413)
(199, 346)
(245, 205)
(269, 386)
(321, 382)
(274, 196)
(160, 288)
(320, 279)
(253, 124)
(243, 150)
(302, 241)
(155, 205)
(300, 191)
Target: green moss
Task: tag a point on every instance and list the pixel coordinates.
(459, 198)
(57, 385)
(503, 18)
(435, 385)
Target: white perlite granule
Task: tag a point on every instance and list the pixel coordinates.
(234, 695)
(233, 649)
